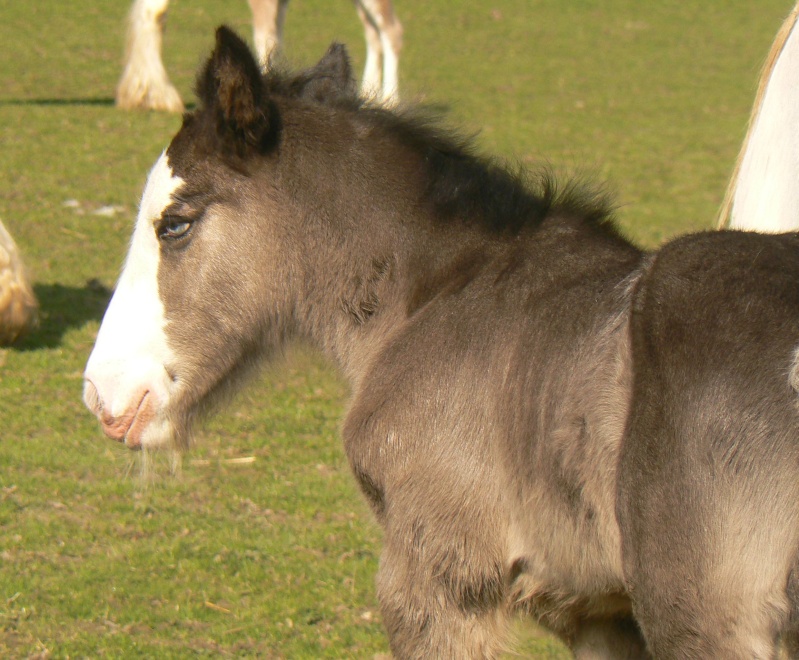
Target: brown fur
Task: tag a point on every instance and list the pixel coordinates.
(543, 418)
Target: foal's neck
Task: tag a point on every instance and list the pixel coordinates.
(392, 218)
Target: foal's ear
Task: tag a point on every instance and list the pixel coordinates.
(231, 85)
(332, 77)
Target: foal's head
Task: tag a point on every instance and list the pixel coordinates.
(285, 204)
(205, 290)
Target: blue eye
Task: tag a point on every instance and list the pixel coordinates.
(173, 227)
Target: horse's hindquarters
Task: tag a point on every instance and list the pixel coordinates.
(709, 476)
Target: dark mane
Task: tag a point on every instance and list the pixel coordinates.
(463, 185)
(466, 185)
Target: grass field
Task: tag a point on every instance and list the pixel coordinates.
(275, 557)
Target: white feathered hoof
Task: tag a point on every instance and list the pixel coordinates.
(144, 83)
(18, 305)
(139, 90)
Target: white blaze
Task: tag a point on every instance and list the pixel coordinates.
(129, 359)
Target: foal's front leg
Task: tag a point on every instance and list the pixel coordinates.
(425, 619)
(442, 587)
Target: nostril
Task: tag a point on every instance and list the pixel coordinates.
(121, 426)
(91, 398)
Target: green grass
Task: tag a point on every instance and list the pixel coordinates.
(276, 558)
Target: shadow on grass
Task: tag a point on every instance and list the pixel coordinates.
(64, 307)
(109, 102)
(57, 102)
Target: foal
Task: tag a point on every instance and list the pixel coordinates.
(543, 419)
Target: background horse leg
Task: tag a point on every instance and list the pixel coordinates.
(144, 82)
(371, 86)
(383, 43)
(268, 17)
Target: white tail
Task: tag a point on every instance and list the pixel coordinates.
(763, 193)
